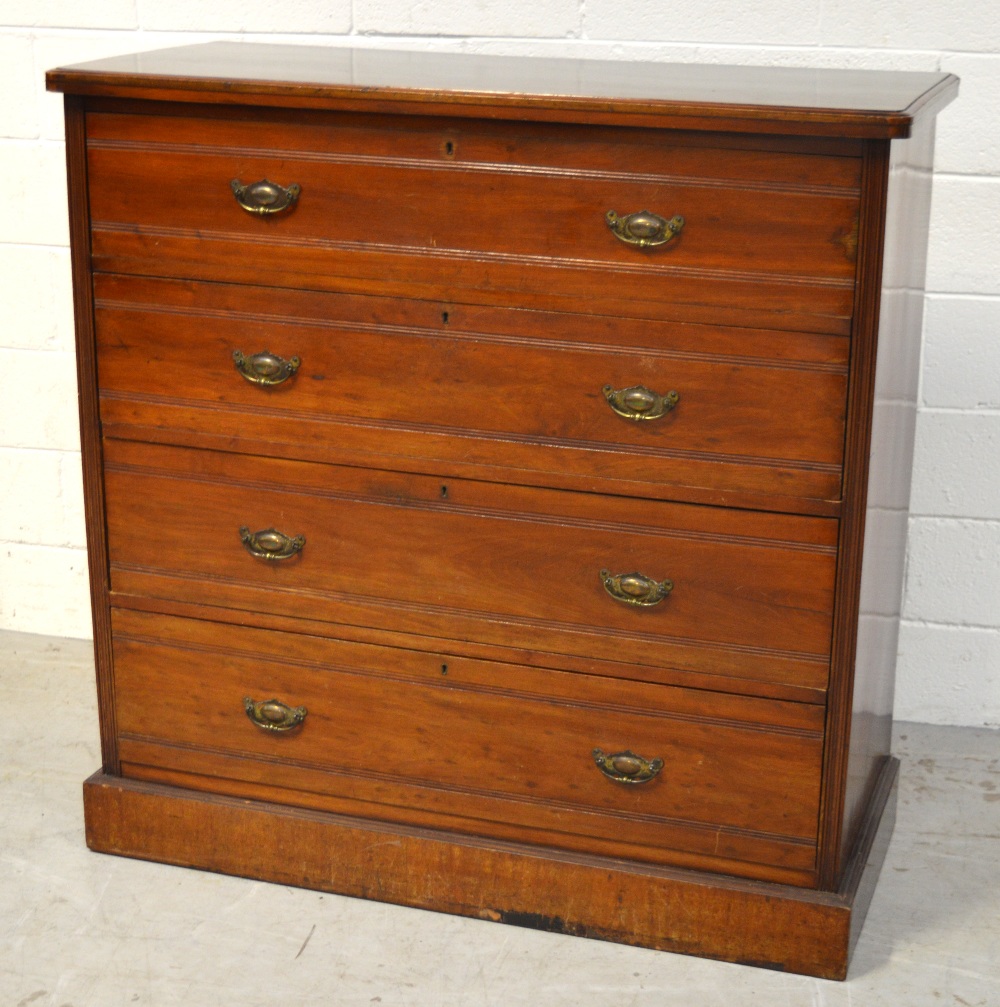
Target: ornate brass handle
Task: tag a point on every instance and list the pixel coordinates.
(265, 368)
(639, 403)
(627, 767)
(264, 197)
(636, 588)
(644, 229)
(273, 715)
(271, 544)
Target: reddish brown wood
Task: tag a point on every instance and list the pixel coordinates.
(495, 745)
(888, 453)
(774, 926)
(722, 677)
(871, 843)
(386, 548)
(784, 165)
(163, 207)
(864, 346)
(359, 444)
(529, 394)
(447, 453)
(802, 101)
(652, 290)
(761, 857)
(90, 433)
(371, 191)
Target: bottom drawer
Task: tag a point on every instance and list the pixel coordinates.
(480, 747)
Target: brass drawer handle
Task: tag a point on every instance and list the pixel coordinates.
(639, 403)
(271, 544)
(635, 588)
(627, 767)
(273, 715)
(264, 197)
(265, 368)
(644, 229)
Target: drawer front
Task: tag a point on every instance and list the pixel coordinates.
(161, 204)
(751, 594)
(416, 736)
(756, 413)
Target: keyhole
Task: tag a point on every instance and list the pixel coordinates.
(444, 669)
(444, 492)
(449, 148)
(444, 317)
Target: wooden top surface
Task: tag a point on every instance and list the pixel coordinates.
(856, 103)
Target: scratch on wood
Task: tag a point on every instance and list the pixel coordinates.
(306, 941)
(384, 842)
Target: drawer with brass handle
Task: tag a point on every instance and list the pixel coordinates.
(751, 593)
(416, 737)
(671, 237)
(661, 408)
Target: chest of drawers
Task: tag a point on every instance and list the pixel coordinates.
(496, 477)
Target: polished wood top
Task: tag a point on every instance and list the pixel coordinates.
(857, 103)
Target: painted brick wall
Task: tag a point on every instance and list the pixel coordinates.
(950, 646)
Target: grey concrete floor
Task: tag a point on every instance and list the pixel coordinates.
(79, 929)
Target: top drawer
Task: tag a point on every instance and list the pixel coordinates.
(765, 231)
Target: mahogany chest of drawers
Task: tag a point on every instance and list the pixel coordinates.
(496, 478)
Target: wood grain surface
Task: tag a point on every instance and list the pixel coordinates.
(787, 100)
(517, 389)
(394, 547)
(775, 246)
(493, 744)
(753, 923)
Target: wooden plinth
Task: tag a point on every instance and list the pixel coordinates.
(768, 925)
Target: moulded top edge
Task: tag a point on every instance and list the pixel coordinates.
(868, 103)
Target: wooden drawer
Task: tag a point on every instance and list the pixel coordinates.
(759, 413)
(469, 745)
(521, 219)
(752, 594)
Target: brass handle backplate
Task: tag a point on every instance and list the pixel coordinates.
(636, 588)
(644, 229)
(263, 198)
(265, 368)
(627, 767)
(639, 403)
(273, 715)
(271, 544)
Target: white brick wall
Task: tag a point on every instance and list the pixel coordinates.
(553, 19)
(320, 16)
(949, 669)
(766, 22)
